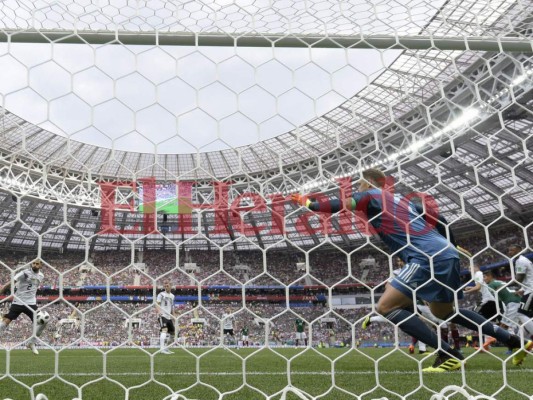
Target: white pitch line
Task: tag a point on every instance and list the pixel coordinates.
(364, 373)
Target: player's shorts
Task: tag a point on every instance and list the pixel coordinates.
(16, 309)
(245, 338)
(301, 335)
(488, 310)
(416, 278)
(166, 323)
(510, 316)
(526, 305)
(228, 332)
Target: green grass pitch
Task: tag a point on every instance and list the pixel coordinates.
(218, 374)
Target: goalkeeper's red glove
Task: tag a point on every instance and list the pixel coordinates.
(300, 199)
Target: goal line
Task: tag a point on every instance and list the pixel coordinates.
(249, 373)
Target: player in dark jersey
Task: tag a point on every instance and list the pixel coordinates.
(431, 272)
(300, 331)
(244, 336)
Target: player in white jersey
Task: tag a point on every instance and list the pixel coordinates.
(165, 310)
(487, 306)
(26, 282)
(524, 276)
(227, 325)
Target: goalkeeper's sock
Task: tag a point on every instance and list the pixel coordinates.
(444, 334)
(472, 320)
(413, 326)
(456, 340)
(162, 337)
(378, 318)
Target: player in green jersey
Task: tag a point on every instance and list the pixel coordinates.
(244, 336)
(300, 331)
(511, 302)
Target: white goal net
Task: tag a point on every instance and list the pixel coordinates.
(153, 143)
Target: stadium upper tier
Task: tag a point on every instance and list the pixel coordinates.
(480, 163)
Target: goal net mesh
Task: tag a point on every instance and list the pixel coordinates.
(153, 142)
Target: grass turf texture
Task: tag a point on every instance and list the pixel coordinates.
(266, 370)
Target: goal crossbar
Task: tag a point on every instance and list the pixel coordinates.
(476, 43)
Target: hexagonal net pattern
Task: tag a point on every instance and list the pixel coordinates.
(192, 178)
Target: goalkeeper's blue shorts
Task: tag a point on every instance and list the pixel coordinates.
(415, 281)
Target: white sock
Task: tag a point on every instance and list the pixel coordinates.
(421, 346)
(527, 324)
(378, 318)
(162, 339)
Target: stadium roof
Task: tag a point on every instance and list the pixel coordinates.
(410, 81)
(405, 120)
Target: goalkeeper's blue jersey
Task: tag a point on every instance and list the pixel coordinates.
(400, 226)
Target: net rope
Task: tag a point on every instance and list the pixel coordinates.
(93, 134)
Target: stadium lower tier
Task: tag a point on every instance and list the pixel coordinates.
(106, 323)
(121, 323)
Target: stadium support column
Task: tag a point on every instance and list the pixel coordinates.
(508, 201)
(122, 225)
(308, 228)
(95, 236)
(431, 180)
(257, 233)
(16, 227)
(73, 225)
(205, 224)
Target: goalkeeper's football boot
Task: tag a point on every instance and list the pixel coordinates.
(522, 353)
(444, 363)
(366, 322)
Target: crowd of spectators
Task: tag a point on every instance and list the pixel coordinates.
(254, 267)
(116, 324)
(109, 322)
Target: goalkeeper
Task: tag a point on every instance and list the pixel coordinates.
(431, 272)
